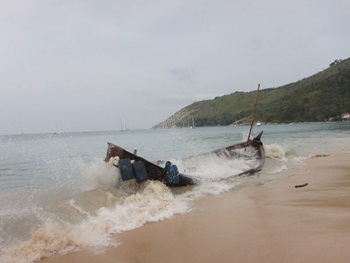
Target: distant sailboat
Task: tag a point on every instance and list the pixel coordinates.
(121, 126)
(57, 131)
(193, 126)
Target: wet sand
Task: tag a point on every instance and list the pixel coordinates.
(271, 222)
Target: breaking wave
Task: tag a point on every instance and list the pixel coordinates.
(105, 206)
(151, 203)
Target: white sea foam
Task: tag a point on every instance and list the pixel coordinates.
(212, 167)
(210, 188)
(153, 202)
(74, 205)
(275, 151)
(98, 174)
(278, 169)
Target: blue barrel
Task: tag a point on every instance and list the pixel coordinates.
(126, 170)
(173, 177)
(140, 172)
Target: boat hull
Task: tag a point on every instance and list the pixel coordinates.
(156, 172)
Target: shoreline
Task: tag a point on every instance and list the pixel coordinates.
(270, 222)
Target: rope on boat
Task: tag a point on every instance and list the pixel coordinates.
(252, 119)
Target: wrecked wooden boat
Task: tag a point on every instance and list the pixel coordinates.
(133, 166)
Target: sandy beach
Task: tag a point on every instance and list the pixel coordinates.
(271, 222)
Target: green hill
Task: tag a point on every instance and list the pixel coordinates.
(320, 97)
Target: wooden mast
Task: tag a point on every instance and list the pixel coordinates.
(253, 114)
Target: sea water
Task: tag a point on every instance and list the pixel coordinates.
(58, 194)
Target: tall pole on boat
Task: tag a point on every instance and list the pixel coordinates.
(253, 114)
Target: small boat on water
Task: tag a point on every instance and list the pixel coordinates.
(133, 166)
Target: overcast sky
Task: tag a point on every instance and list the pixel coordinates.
(87, 65)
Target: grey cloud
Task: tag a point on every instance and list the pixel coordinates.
(183, 75)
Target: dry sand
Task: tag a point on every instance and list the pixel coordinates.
(273, 222)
